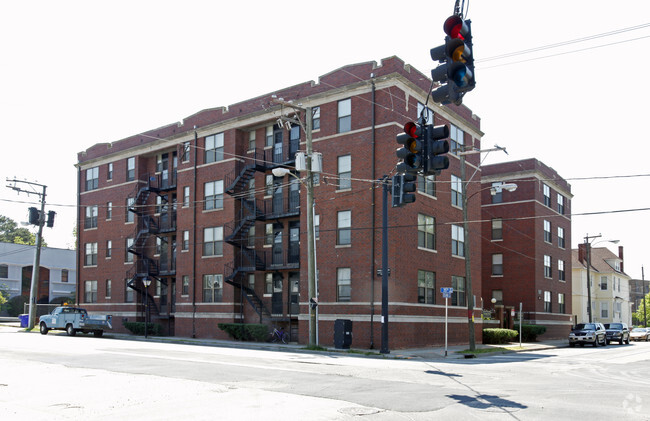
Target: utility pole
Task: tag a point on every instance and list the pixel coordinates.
(384, 268)
(37, 253)
(311, 252)
(645, 314)
(588, 247)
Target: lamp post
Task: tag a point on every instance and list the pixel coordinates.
(146, 282)
(588, 251)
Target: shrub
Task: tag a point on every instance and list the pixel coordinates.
(17, 305)
(246, 331)
(137, 328)
(498, 336)
(530, 333)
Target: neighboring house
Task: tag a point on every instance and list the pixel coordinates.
(195, 208)
(526, 243)
(57, 274)
(610, 286)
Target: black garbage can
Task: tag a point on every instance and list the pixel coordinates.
(342, 333)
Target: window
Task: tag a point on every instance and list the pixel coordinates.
(343, 284)
(603, 283)
(214, 148)
(426, 184)
(109, 249)
(128, 292)
(497, 229)
(130, 203)
(128, 257)
(344, 232)
(458, 296)
(251, 281)
(426, 232)
(90, 295)
(130, 169)
(497, 294)
(547, 231)
(426, 287)
(268, 283)
(345, 172)
(185, 288)
(457, 138)
(547, 301)
(344, 121)
(186, 196)
(561, 307)
(560, 204)
(213, 191)
(268, 185)
(560, 270)
(213, 241)
(159, 243)
(604, 309)
(92, 178)
(547, 195)
(4, 271)
(64, 275)
(269, 136)
(268, 234)
(91, 217)
(212, 288)
(109, 211)
(251, 140)
(186, 241)
(185, 155)
(91, 254)
(109, 288)
(560, 237)
(457, 241)
(456, 191)
(109, 176)
(428, 114)
(547, 267)
(251, 237)
(497, 193)
(315, 122)
(497, 264)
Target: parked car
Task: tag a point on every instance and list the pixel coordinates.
(640, 334)
(588, 333)
(618, 332)
(73, 320)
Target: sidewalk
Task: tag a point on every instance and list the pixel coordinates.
(453, 352)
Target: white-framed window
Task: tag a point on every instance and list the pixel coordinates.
(603, 283)
(130, 169)
(344, 228)
(268, 234)
(560, 204)
(186, 196)
(92, 178)
(4, 271)
(547, 302)
(90, 291)
(185, 287)
(64, 275)
(458, 297)
(186, 240)
(457, 241)
(547, 231)
(185, 155)
(315, 123)
(213, 241)
(426, 287)
(427, 184)
(128, 292)
(560, 237)
(497, 229)
(214, 148)
(345, 172)
(109, 249)
(109, 288)
(109, 175)
(426, 232)
(269, 137)
(213, 195)
(344, 120)
(548, 271)
(456, 191)
(212, 288)
(497, 264)
(90, 257)
(109, 211)
(457, 139)
(547, 195)
(561, 274)
(91, 217)
(130, 216)
(343, 284)
(561, 306)
(251, 140)
(128, 257)
(604, 309)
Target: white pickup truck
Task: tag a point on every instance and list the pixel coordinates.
(73, 320)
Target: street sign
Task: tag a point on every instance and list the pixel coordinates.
(446, 292)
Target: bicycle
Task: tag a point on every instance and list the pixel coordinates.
(279, 335)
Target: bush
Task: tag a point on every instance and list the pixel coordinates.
(498, 336)
(17, 305)
(246, 331)
(137, 328)
(530, 333)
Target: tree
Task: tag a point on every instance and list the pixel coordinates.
(638, 314)
(10, 233)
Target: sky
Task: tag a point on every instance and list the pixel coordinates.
(77, 73)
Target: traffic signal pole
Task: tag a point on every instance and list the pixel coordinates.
(384, 268)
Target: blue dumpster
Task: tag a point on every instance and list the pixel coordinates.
(24, 320)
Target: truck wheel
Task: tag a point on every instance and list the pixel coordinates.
(70, 330)
(98, 333)
(44, 329)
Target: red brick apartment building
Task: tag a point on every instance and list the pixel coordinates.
(526, 244)
(194, 207)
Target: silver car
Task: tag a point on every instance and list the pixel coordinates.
(588, 333)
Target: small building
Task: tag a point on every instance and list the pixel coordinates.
(639, 288)
(609, 285)
(526, 244)
(57, 274)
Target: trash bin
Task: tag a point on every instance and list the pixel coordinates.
(342, 333)
(24, 320)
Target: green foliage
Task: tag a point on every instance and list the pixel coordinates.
(530, 333)
(246, 331)
(4, 297)
(638, 314)
(16, 305)
(498, 336)
(10, 233)
(137, 328)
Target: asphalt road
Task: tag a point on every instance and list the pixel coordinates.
(55, 377)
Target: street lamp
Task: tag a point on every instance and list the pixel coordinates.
(146, 282)
(588, 250)
(311, 249)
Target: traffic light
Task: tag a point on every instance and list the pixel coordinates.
(412, 151)
(456, 71)
(50, 219)
(403, 189)
(435, 161)
(34, 216)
